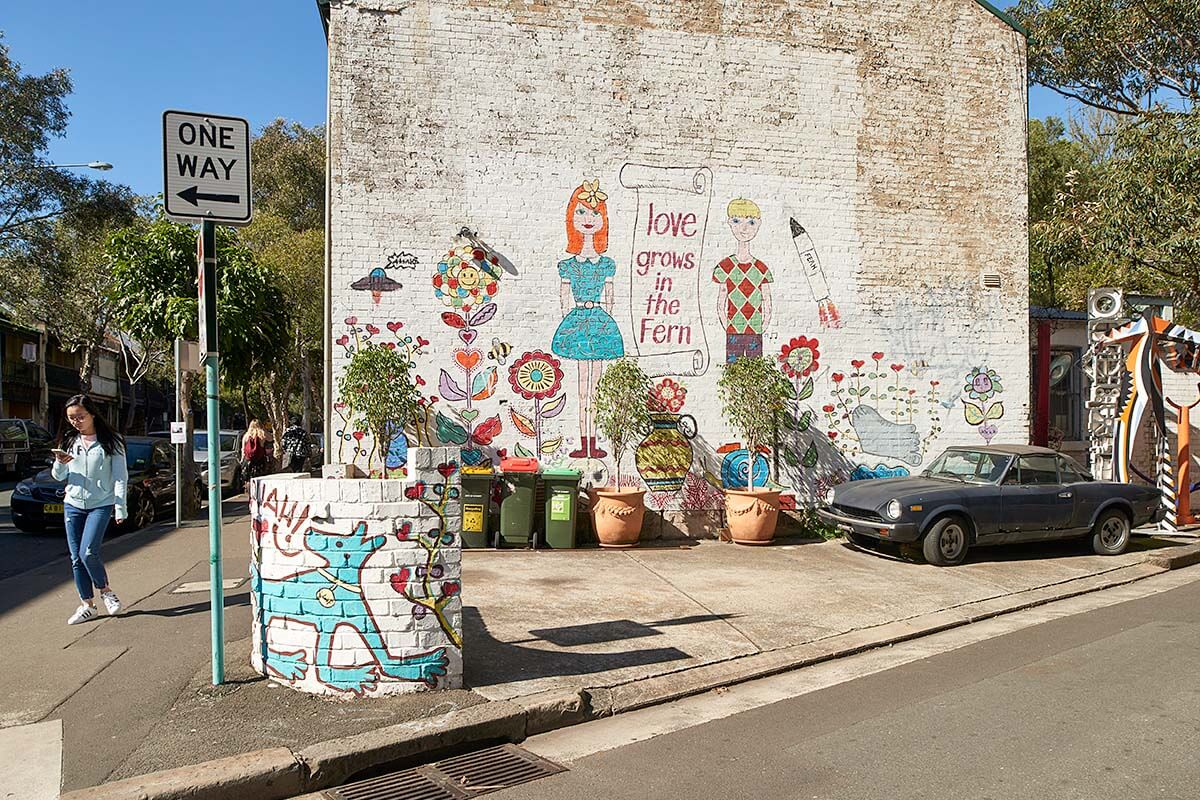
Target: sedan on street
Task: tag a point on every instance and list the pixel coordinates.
(37, 502)
(998, 494)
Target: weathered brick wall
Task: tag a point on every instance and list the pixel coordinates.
(884, 148)
(356, 584)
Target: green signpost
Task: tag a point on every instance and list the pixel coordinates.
(206, 179)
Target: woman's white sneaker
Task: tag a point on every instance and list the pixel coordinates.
(111, 602)
(83, 614)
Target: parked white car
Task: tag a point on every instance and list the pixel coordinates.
(231, 450)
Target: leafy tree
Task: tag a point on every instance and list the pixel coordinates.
(288, 235)
(381, 395)
(154, 298)
(620, 404)
(1132, 218)
(753, 393)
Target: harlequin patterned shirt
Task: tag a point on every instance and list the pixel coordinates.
(743, 284)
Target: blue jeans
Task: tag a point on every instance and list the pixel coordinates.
(85, 532)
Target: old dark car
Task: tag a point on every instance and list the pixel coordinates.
(37, 502)
(24, 447)
(998, 494)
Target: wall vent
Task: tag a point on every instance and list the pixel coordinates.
(990, 280)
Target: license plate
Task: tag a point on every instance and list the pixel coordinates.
(53, 508)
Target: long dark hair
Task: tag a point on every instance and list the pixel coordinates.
(111, 441)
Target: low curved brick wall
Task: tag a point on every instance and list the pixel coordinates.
(356, 584)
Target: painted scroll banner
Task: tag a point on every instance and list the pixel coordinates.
(666, 262)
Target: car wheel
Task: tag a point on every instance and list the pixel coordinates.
(945, 545)
(142, 513)
(1110, 537)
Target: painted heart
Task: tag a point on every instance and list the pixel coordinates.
(420, 381)
(897, 367)
(343, 340)
(351, 320)
(399, 580)
(448, 468)
(404, 532)
(371, 329)
(857, 364)
(470, 414)
(395, 326)
(468, 359)
(832, 435)
(358, 436)
(450, 588)
(877, 356)
(390, 345)
(422, 341)
(467, 335)
(339, 406)
(415, 491)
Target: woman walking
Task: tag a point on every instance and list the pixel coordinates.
(90, 457)
(256, 452)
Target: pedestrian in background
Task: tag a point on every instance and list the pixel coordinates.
(256, 452)
(296, 444)
(90, 457)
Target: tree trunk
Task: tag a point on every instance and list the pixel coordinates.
(245, 406)
(189, 471)
(85, 370)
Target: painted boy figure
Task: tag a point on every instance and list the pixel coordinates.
(745, 302)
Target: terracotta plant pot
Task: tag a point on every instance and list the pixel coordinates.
(617, 516)
(752, 515)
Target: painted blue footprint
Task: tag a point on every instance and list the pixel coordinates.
(427, 667)
(290, 666)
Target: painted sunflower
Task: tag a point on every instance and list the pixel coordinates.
(799, 357)
(536, 375)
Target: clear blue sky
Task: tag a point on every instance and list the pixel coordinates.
(131, 60)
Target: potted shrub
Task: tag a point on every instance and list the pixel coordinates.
(621, 414)
(381, 395)
(753, 391)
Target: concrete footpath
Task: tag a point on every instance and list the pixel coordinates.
(552, 638)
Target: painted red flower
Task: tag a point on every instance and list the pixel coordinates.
(799, 357)
(857, 363)
(450, 588)
(536, 375)
(897, 367)
(828, 409)
(877, 356)
(837, 377)
(667, 395)
(399, 580)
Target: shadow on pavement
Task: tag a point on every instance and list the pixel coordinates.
(25, 586)
(616, 630)
(231, 601)
(495, 662)
(1079, 547)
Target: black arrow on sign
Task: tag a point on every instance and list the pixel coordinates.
(193, 193)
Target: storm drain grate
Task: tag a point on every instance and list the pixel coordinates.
(457, 778)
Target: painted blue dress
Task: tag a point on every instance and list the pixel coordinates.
(587, 332)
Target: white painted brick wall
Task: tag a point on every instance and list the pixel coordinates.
(895, 133)
(338, 612)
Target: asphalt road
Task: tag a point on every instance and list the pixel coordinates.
(24, 551)
(1103, 704)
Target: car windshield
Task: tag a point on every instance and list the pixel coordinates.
(137, 454)
(228, 441)
(971, 466)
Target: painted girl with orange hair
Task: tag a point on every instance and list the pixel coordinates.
(588, 333)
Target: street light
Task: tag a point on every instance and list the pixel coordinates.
(103, 166)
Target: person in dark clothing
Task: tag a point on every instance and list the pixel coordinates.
(297, 447)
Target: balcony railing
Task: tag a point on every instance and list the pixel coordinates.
(21, 373)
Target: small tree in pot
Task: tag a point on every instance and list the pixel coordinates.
(381, 396)
(623, 417)
(753, 391)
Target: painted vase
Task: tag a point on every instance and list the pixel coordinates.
(665, 456)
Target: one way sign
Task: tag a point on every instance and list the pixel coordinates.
(206, 168)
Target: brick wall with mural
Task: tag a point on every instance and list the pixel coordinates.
(838, 187)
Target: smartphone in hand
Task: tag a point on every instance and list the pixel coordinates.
(62, 456)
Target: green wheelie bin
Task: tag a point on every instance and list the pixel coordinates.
(562, 493)
(520, 476)
(476, 505)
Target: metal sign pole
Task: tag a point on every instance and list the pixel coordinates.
(208, 310)
(178, 447)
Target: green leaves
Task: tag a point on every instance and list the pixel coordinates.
(620, 405)
(753, 393)
(377, 386)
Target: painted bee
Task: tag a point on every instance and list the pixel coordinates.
(500, 350)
